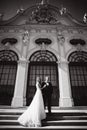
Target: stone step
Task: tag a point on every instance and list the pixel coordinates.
(66, 123)
(44, 128)
(9, 117)
(60, 119)
(53, 113)
(49, 123)
(52, 117)
(54, 109)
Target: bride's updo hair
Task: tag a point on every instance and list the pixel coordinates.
(38, 79)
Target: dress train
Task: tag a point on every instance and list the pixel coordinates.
(35, 113)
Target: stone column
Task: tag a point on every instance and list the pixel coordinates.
(19, 98)
(26, 41)
(19, 85)
(25, 84)
(65, 99)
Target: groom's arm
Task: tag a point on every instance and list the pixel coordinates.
(43, 86)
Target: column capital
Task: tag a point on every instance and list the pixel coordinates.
(63, 62)
(23, 61)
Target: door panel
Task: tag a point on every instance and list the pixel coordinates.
(7, 81)
(78, 76)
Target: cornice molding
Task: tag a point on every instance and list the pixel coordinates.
(39, 28)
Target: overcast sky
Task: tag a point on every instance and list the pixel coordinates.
(76, 7)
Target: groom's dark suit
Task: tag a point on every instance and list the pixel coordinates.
(47, 90)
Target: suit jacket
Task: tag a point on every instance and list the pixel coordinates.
(47, 88)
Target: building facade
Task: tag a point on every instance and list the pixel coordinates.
(43, 40)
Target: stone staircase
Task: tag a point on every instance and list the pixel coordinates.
(61, 119)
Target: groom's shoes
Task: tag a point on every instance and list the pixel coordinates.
(49, 113)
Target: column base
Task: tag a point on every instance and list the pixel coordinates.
(24, 101)
(17, 102)
(66, 102)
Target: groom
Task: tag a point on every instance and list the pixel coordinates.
(47, 90)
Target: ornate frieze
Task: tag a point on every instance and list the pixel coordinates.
(41, 27)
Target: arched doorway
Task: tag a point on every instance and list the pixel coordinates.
(8, 69)
(78, 77)
(42, 63)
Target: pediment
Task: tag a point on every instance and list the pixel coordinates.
(42, 14)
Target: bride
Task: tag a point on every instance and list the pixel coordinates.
(35, 113)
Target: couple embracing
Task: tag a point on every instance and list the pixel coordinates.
(36, 111)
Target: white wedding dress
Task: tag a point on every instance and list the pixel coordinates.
(35, 113)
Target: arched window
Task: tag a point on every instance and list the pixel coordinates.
(43, 62)
(8, 68)
(78, 76)
(43, 56)
(77, 56)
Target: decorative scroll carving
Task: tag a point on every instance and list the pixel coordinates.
(85, 18)
(63, 10)
(11, 41)
(77, 41)
(43, 42)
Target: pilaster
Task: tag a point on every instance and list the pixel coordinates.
(20, 83)
(65, 99)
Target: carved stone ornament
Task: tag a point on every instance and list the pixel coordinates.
(61, 39)
(25, 37)
(85, 18)
(43, 43)
(43, 40)
(43, 14)
(63, 10)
